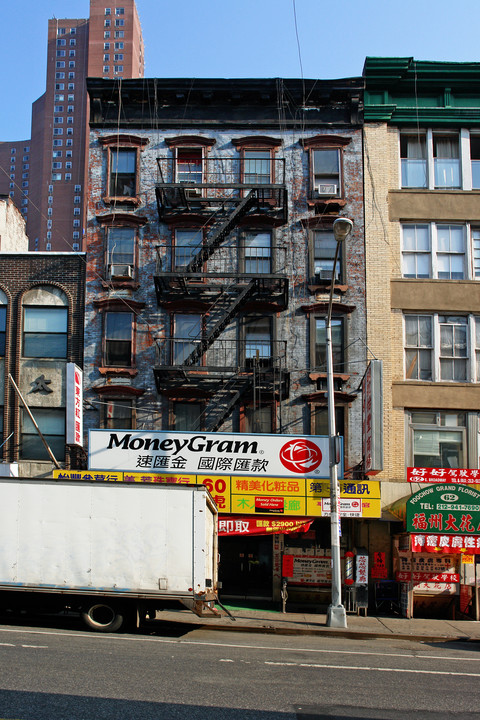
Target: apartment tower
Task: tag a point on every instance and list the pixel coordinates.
(47, 180)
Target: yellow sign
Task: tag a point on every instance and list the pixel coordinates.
(250, 496)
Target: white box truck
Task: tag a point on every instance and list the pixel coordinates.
(106, 550)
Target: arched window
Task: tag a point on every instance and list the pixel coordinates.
(45, 323)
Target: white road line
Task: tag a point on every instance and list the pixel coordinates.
(179, 641)
(7, 645)
(379, 669)
(39, 647)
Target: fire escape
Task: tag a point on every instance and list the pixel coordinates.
(224, 280)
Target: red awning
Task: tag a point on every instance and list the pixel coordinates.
(256, 525)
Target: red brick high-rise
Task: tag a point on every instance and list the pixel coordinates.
(47, 179)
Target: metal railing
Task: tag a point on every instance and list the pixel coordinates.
(222, 172)
(230, 258)
(236, 355)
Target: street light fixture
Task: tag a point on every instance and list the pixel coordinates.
(336, 616)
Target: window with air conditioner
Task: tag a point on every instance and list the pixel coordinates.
(325, 171)
(120, 252)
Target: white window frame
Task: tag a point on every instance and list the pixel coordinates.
(434, 253)
(472, 351)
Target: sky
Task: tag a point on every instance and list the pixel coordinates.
(247, 38)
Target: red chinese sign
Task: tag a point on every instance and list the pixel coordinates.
(446, 543)
(443, 475)
(248, 525)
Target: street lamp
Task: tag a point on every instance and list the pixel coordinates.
(336, 616)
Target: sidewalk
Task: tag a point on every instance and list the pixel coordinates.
(265, 621)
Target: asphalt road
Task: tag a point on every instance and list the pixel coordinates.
(64, 673)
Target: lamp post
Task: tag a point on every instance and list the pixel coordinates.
(336, 616)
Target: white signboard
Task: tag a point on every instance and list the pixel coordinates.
(235, 454)
(348, 507)
(74, 435)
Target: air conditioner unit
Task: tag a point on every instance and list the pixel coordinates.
(326, 189)
(193, 193)
(121, 271)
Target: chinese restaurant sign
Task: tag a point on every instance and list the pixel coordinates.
(443, 475)
(261, 456)
(445, 509)
(446, 543)
(276, 496)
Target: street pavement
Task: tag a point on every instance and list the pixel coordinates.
(359, 626)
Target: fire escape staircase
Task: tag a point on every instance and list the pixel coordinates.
(221, 232)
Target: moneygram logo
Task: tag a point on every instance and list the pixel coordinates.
(300, 456)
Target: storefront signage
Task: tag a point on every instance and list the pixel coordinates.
(446, 543)
(372, 418)
(427, 577)
(443, 475)
(307, 569)
(74, 414)
(348, 508)
(250, 525)
(379, 569)
(447, 509)
(236, 454)
(361, 565)
(276, 496)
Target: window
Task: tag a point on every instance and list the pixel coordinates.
(324, 246)
(106, 69)
(118, 57)
(75, 247)
(258, 419)
(61, 31)
(106, 34)
(256, 167)
(56, 165)
(59, 86)
(325, 172)
(70, 109)
(70, 131)
(68, 166)
(123, 172)
(78, 188)
(107, 23)
(119, 11)
(77, 199)
(118, 415)
(119, 34)
(187, 330)
(59, 75)
(120, 252)
(69, 120)
(58, 131)
(187, 245)
(187, 416)
(106, 57)
(69, 143)
(258, 338)
(57, 143)
(71, 53)
(3, 322)
(61, 42)
(434, 250)
(446, 161)
(76, 211)
(58, 120)
(189, 162)
(45, 332)
(118, 339)
(106, 46)
(49, 212)
(118, 45)
(320, 349)
(119, 23)
(437, 439)
(118, 68)
(73, 31)
(71, 63)
(319, 420)
(57, 153)
(108, 11)
(51, 422)
(76, 235)
(71, 98)
(60, 64)
(475, 158)
(258, 252)
(438, 347)
(76, 223)
(61, 53)
(71, 75)
(72, 42)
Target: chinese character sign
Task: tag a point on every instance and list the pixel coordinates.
(74, 414)
(443, 475)
(446, 509)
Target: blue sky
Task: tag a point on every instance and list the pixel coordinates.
(248, 38)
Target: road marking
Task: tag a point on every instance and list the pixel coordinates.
(117, 638)
(7, 644)
(379, 669)
(39, 647)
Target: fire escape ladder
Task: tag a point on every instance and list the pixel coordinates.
(224, 402)
(226, 315)
(221, 232)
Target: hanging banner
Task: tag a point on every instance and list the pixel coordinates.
(446, 543)
(235, 525)
(443, 475)
(74, 410)
(446, 509)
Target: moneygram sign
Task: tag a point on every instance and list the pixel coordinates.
(237, 454)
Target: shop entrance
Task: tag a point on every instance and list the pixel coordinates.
(246, 565)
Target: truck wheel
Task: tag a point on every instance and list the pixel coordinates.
(103, 617)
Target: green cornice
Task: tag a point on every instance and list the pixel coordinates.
(403, 91)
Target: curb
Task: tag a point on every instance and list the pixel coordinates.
(331, 632)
